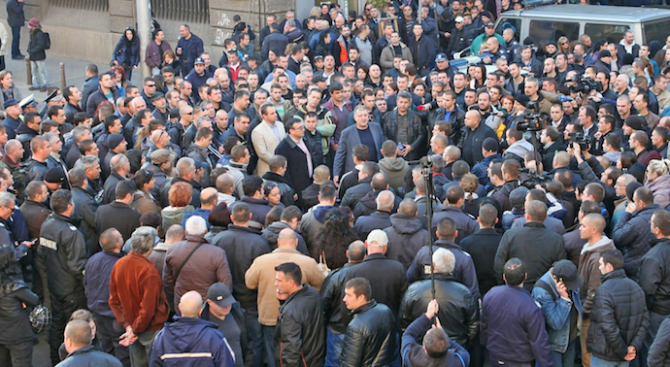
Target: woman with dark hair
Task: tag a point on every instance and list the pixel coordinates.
(15, 303)
(599, 46)
(272, 193)
(333, 238)
(143, 201)
(322, 47)
(135, 159)
(127, 52)
(219, 219)
(170, 59)
(362, 72)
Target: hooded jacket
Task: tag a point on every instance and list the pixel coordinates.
(191, 342)
(395, 170)
(406, 236)
(660, 187)
(271, 234)
(519, 149)
(589, 271)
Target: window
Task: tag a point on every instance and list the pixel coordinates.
(656, 31)
(514, 23)
(613, 33)
(542, 30)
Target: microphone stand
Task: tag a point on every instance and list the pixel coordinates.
(427, 171)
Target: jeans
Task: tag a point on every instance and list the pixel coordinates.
(597, 362)
(61, 310)
(16, 41)
(140, 350)
(269, 343)
(333, 348)
(255, 339)
(40, 77)
(566, 359)
(16, 355)
(110, 331)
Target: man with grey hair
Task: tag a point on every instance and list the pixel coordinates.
(120, 166)
(90, 164)
(186, 172)
(13, 154)
(379, 218)
(387, 289)
(187, 269)
(458, 308)
(137, 299)
(537, 246)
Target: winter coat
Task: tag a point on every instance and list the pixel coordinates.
(96, 282)
(297, 172)
(632, 236)
(15, 15)
(120, 216)
(13, 316)
(300, 329)
(589, 271)
(259, 209)
(143, 203)
(153, 57)
(395, 170)
(368, 204)
(37, 45)
(89, 357)
(482, 247)
(471, 144)
(96, 98)
(458, 312)
(192, 48)
(191, 342)
(423, 54)
(388, 53)
(413, 354)
(119, 54)
(416, 132)
(172, 215)
(370, 340)
(387, 289)
(619, 317)
(366, 224)
(356, 193)
(659, 352)
(655, 277)
(242, 246)
(332, 291)
(271, 235)
(85, 208)
(538, 247)
(207, 265)
(285, 188)
(465, 224)
(311, 223)
(406, 236)
(660, 187)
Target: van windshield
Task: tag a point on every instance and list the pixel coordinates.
(654, 31)
(613, 33)
(543, 30)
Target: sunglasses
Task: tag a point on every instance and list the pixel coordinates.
(151, 85)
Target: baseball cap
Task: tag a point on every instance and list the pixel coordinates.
(490, 144)
(441, 57)
(200, 164)
(160, 156)
(156, 96)
(10, 102)
(54, 175)
(517, 197)
(199, 60)
(377, 238)
(459, 19)
(114, 140)
(220, 294)
(566, 271)
(489, 25)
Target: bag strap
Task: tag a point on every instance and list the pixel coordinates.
(544, 285)
(176, 275)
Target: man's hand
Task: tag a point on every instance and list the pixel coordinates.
(29, 244)
(432, 309)
(447, 34)
(578, 152)
(631, 353)
(128, 337)
(562, 290)
(631, 208)
(408, 148)
(336, 180)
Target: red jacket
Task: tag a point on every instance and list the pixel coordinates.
(136, 294)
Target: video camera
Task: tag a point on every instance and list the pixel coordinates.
(585, 85)
(532, 119)
(533, 179)
(584, 141)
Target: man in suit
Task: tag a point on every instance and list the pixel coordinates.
(300, 161)
(266, 137)
(363, 132)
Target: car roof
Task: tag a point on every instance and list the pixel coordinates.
(601, 14)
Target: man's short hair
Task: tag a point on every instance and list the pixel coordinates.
(251, 184)
(79, 333)
(488, 215)
(514, 271)
(60, 200)
(360, 286)
(34, 188)
(277, 162)
(327, 191)
(436, 342)
(613, 257)
(109, 238)
(537, 211)
(361, 152)
(240, 213)
(645, 195)
(291, 271)
(446, 228)
(123, 189)
(661, 220)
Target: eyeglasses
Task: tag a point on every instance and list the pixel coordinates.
(11, 208)
(151, 85)
(188, 113)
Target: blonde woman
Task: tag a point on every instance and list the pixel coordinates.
(658, 181)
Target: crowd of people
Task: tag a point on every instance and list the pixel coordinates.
(274, 210)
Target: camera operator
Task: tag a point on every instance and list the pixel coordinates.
(531, 90)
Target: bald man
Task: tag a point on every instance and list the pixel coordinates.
(78, 339)
(208, 199)
(205, 342)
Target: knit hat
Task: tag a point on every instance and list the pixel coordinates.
(114, 140)
(528, 41)
(54, 175)
(635, 122)
(490, 145)
(33, 23)
(604, 53)
(627, 59)
(630, 189)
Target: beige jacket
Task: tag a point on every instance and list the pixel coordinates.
(265, 142)
(261, 276)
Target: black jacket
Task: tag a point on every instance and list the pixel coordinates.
(459, 310)
(63, 250)
(471, 144)
(297, 170)
(332, 291)
(85, 208)
(387, 289)
(285, 188)
(259, 209)
(242, 245)
(117, 215)
(538, 247)
(659, 352)
(482, 247)
(416, 132)
(355, 193)
(165, 192)
(465, 223)
(632, 236)
(300, 329)
(619, 317)
(377, 220)
(37, 45)
(271, 234)
(456, 118)
(368, 204)
(35, 170)
(96, 98)
(406, 236)
(655, 277)
(110, 187)
(15, 15)
(14, 317)
(370, 340)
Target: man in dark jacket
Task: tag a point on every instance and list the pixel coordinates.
(16, 19)
(437, 349)
(355, 193)
(80, 351)
(258, 207)
(37, 47)
(96, 283)
(534, 244)
(378, 219)
(118, 214)
(334, 311)
(404, 126)
(619, 319)
(242, 245)
(277, 176)
(482, 247)
(475, 134)
(465, 223)
(512, 327)
(222, 309)
(63, 250)
(459, 309)
(632, 234)
(106, 83)
(658, 353)
(275, 42)
(85, 208)
(423, 50)
(300, 321)
(189, 47)
(191, 341)
(36, 168)
(370, 339)
(299, 156)
(406, 234)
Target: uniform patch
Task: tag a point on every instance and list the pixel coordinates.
(72, 227)
(48, 243)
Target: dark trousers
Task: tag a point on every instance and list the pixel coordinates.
(255, 339)
(16, 355)
(16, 40)
(110, 330)
(61, 310)
(269, 344)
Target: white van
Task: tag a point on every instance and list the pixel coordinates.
(600, 22)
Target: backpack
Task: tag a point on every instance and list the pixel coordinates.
(47, 40)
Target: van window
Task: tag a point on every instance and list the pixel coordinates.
(613, 33)
(542, 30)
(506, 23)
(654, 31)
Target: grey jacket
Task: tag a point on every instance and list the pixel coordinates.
(344, 161)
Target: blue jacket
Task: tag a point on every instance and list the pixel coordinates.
(413, 354)
(513, 327)
(96, 282)
(191, 49)
(204, 213)
(557, 313)
(481, 169)
(119, 54)
(191, 342)
(196, 81)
